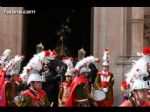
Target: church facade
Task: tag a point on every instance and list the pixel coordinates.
(123, 30)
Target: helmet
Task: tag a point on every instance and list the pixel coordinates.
(69, 72)
(140, 84)
(35, 77)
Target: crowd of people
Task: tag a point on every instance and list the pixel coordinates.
(50, 80)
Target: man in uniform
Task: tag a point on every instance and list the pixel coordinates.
(34, 96)
(11, 87)
(104, 81)
(79, 90)
(137, 83)
(8, 84)
(64, 90)
(93, 70)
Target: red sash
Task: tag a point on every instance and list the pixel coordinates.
(77, 80)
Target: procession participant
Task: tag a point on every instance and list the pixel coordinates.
(34, 96)
(7, 85)
(93, 70)
(50, 85)
(34, 67)
(104, 82)
(64, 90)
(137, 82)
(79, 89)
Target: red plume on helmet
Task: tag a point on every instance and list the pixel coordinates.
(54, 53)
(124, 85)
(47, 53)
(146, 51)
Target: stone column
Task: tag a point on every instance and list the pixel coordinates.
(11, 31)
(110, 31)
(137, 29)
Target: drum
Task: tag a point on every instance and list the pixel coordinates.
(82, 103)
(99, 95)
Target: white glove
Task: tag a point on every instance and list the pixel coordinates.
(105, 90)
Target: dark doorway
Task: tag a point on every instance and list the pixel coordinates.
(43, 25)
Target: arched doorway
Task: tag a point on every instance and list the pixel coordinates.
(43, 25)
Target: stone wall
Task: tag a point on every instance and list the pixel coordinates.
(110, 30)
(11, 31)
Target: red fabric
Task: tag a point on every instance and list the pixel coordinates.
(47, 53)
(64, 84)
(40, 95)
(106, 103)
(146, 51)
(17, 79)
(126, 104)
(2, 89)
(145, 104)
(104, 84)
(125, 85)
(54, 53)
(77, 80)
(105, 75)
(106, 49)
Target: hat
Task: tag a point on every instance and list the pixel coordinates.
(137, 74)
(35, 77)
(105, 58)
(69, 72)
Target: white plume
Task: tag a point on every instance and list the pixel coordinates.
(13, 63)
(68, 62)
(139, 54)
(3, 58)
(35, 64)
(86, 61)
(139, 69)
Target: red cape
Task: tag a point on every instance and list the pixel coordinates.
(2, 89)
(77, 80)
